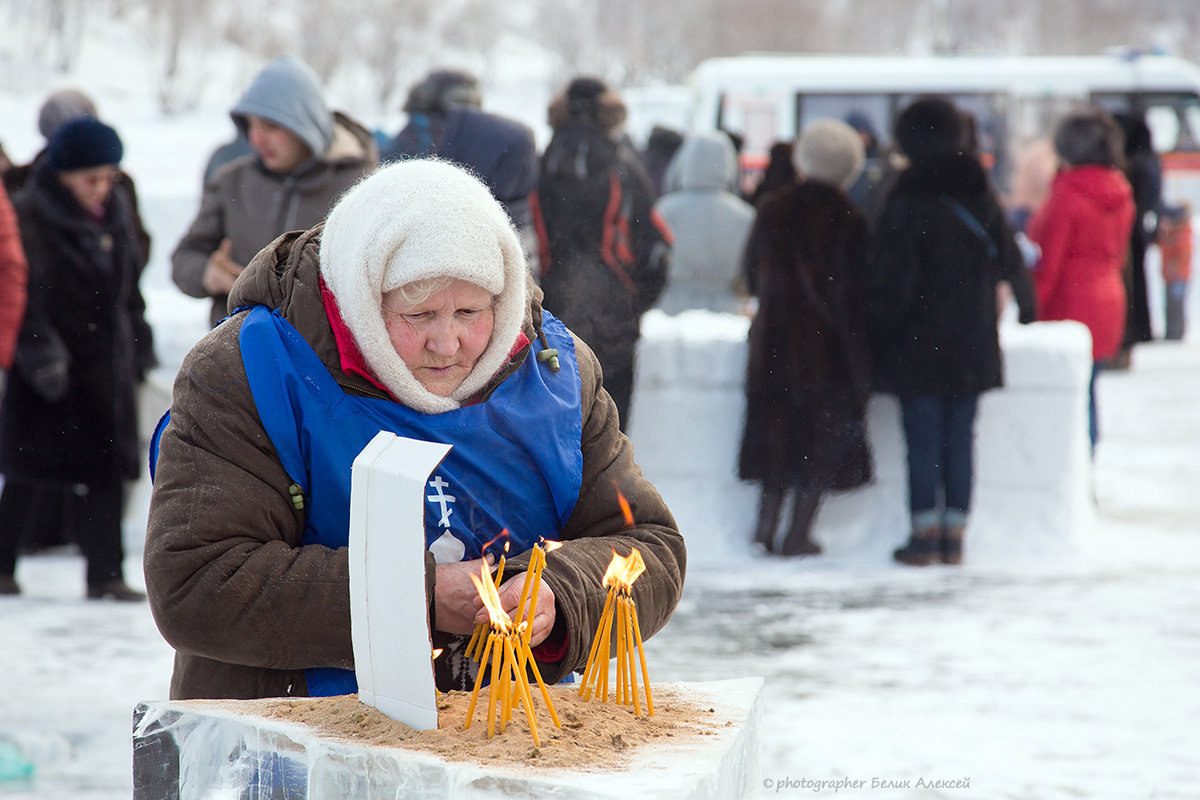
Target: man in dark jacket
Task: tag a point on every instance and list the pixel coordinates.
(445, 120)
(604, 253)
(942, 245)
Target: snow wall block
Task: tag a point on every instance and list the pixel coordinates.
(1032, 466)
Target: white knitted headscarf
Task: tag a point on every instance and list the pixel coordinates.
(422, 218)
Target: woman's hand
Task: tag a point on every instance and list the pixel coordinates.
(544, 614)
(456, 601)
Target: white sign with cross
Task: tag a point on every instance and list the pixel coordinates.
(389, 623)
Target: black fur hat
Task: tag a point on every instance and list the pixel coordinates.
(1089, 136)
(442, 90)
(588, 100)
(930, 127)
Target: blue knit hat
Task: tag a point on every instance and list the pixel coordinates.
(82, 143)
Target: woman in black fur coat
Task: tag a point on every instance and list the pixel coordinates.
(807, 376)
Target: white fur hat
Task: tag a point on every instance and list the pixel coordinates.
(829, 151)
(421, 218)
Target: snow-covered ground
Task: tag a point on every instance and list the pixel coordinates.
(1076, 678)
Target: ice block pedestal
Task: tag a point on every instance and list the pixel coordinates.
(226, 749)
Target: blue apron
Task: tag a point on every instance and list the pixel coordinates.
(516, 461)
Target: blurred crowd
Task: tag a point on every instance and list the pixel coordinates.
(864, 271)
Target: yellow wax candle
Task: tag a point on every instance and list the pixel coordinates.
(525, 587)
(637, 634)
(537, 585)
(630, 647)
(492, 690)
(505, 685)
(476, 638)
(545, 693)
(592, 669)
(522, 686)
(622, 678)
(478, 681)
(605, 646)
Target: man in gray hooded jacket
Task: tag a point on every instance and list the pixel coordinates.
(304, 157)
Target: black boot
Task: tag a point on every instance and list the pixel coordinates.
(952, 545)
(768, 519)
(115, 589)
(924, 547)
(798, 541)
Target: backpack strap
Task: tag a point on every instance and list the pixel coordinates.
(973, 225)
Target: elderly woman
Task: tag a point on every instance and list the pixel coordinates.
(411, 310)
(68, 429)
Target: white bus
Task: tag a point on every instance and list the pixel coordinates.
(768, 98)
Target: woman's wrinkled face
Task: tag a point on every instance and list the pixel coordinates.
(441, 338)
(91, 187)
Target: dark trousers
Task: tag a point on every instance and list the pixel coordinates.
(1176, 311)
(89, 514)
(940, 433)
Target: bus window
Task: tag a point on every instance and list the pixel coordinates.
(873, 108)
(1165, 128)
(1192, 117)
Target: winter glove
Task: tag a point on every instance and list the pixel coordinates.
(46, 367)
(50, 380)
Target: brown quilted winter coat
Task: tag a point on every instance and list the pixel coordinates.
(247, 608)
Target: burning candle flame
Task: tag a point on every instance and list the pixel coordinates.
(437, 652)
(550, 547)
(491, 600)
(625, 510)
(624, 570)
(503, 534)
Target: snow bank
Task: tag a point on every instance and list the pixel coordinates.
(1032, 491)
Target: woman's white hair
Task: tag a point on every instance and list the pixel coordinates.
(418, 291)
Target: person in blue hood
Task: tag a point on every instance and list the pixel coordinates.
(304, 156)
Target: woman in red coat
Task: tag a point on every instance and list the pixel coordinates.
(13, 276)
(1083, 229)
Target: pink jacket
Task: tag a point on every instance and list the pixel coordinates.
(1083, 229)
(13, 279)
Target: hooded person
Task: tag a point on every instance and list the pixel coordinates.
(410, 310)
(445, 120)
(710, 223)
(942, 245)
(69, 438)
(603, 252)
(1083, 230)
(304, 157)
(807, 375)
